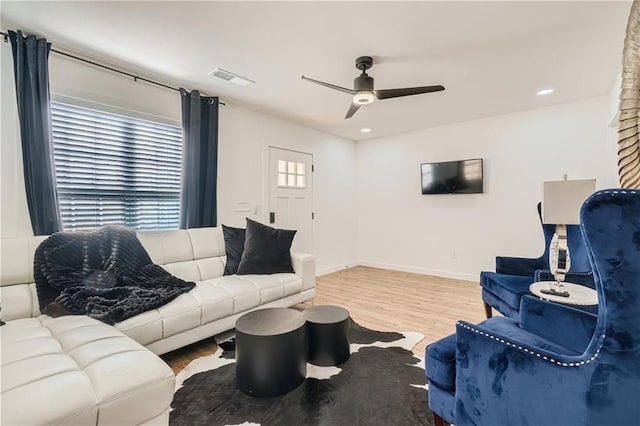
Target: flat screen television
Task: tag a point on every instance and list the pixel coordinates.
(453, 177)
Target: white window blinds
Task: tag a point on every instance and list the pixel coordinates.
(115, 169)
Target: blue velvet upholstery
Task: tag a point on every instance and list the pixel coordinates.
(524, 266)
(504, 288)
(557, 365)
(509, 289)
(497, 303)
(441, 364)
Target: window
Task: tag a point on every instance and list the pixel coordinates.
(290, 174)
(472, 169)
(115, 169)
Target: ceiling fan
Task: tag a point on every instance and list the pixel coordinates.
(363, 92)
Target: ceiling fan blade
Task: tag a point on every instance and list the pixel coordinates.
(330, 86)
(407, 91)
(352, 110)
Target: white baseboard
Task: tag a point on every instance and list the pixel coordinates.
(335, 268)
(423, 271)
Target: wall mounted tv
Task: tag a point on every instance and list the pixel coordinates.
(453, 177)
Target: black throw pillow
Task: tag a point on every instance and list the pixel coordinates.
(234, 246)
(266, 250)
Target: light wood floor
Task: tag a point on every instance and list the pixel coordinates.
(382, 300)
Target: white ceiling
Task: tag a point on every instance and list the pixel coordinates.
(492, 57)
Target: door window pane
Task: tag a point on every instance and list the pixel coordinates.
(291, 174)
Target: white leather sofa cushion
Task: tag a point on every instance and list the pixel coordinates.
(245, 294)
(19, 299)
(207, 242)
(210, 300)
(270, 287)
(193, 254)
(75, 369)
(211, 267)
(215, 301)
(167, 246)
(181, 314)
(144, 328)
(17, 259)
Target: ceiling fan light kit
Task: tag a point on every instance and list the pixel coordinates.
(363, 91)
(363, 98)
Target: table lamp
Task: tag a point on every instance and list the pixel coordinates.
(561, 203)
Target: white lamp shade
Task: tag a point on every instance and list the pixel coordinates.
(562, 200)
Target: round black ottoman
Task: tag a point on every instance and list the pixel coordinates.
(327, 335)
(270, 351)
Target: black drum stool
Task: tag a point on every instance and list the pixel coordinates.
(270, 351)
(327, 335)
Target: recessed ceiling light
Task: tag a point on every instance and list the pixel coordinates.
(543, 92)
(231, 77)
(365, 130)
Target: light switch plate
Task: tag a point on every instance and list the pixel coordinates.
(243, 206)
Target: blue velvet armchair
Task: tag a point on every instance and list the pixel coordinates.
(503, 289)
(555, 365)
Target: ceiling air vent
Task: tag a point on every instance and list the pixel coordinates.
(231, 77)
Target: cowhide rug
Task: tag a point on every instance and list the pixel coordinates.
(382, 383)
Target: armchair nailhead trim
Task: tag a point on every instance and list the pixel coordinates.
(615, 191)
(529, 351)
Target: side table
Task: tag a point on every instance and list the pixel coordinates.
(328, 335)
(578, 294)
(270, 351)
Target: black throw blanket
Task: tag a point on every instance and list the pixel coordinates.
(105, 274)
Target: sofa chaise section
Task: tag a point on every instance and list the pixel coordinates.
(78, 370)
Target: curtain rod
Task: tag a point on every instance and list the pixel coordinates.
(135, 77)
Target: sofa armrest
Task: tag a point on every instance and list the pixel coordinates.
(522, 266)
(305, 266)
(561, 324)
(582, 278)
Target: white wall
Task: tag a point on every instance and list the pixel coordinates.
(334, 184)
(367, 196)
(244, 137)
(614, 105)
(614, 100)
(459, 235)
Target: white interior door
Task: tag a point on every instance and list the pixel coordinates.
(290, 195)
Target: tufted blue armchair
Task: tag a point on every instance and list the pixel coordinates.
(555, 365)
(503, 289)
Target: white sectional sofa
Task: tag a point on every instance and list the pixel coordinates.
(76, 370)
